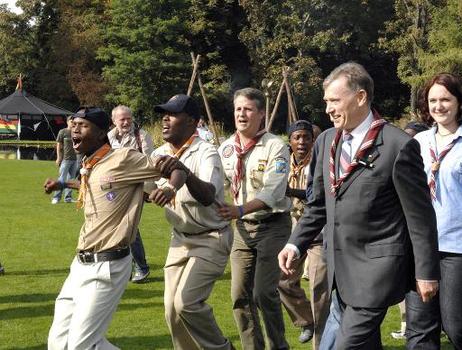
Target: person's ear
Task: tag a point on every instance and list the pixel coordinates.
(362, 97)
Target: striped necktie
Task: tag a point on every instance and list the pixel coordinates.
(345, 156)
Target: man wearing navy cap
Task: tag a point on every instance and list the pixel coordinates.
(111, 193)
(201, 240)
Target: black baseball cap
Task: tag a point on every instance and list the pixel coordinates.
(95, 115)
(180, 103)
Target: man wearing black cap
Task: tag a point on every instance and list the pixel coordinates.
(201, 240)
(111, 193)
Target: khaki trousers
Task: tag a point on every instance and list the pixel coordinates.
(255, 275)
(194, 263)
(302, 312)
(86, 303)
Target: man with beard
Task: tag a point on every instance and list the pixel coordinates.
(370, 193)
(201, 241)
(127, 134)
(311, 317)
(111, 193)
(256, 163)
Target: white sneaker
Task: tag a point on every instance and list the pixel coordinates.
(54, 201)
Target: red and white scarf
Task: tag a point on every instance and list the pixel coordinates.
(238, 174)
(435, 167)
(366, 144)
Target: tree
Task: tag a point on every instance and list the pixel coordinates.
(146, 55)
(444, 52)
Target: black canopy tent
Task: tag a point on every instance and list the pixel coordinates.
(34, 118)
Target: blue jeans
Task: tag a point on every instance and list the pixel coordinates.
(424, 320)
(332, 324)
(138, 253)
(361, 328)
(67, 170)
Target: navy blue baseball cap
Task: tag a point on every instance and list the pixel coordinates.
(95, 115)
(180, 103)
(301, 125)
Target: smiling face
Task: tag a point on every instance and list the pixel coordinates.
(122, 121)
(177, 128)
(301, 142)
(86, 136)
(443, 106)
(247, 117)
(346, 108)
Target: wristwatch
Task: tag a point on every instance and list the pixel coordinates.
(169, 185)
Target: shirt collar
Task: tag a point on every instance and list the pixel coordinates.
(361, 130)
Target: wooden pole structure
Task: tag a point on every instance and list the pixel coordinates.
(293, 115)
(275, 108)
(194, 73)
(195, 61)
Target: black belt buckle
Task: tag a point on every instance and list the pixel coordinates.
(86, 257)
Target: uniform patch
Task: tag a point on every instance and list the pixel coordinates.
(261, 167)
(281, 166)
(106, 182)
(228, 151)
(110, 196)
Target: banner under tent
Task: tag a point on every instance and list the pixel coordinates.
(27, 117)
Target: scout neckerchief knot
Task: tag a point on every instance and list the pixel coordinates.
(297, 168)
(238, 173)
(367, 143)
(180, 152)
(87, 165)
(436, 162)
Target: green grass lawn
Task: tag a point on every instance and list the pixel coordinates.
(37, 245)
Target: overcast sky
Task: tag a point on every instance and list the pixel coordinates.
(11, 5)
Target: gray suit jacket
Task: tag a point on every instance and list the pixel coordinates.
(380, 232)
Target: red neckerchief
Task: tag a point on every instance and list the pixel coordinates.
(240, 153)
(366, 144)
(436, 161)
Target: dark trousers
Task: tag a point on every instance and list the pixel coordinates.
(352, 328)
(424, 320)
(139, 256)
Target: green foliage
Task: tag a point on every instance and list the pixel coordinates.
(146, 55)
(444, 40)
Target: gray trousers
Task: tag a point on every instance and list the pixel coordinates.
(86, 303)
(255, 276)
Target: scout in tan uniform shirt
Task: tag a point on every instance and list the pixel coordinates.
(310, 316)
(111, 193)
(256, 164)
(201, 240)
(127, 134)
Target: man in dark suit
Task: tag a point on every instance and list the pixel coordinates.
(370, 193)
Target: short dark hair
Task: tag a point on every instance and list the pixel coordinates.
(252, 94)
(357, 78)
(452, 83)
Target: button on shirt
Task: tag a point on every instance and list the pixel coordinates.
(188, 215)
(266, 168)
(113, 200)
(448, 189)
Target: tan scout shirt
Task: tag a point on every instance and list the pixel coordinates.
(114, 199)
(265, 174)
(129, 140)
(189, 216)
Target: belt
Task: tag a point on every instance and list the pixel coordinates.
(108, 255)
(270, 218)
